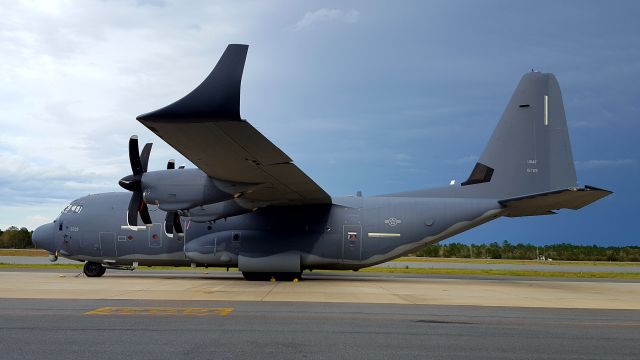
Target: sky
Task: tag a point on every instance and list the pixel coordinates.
(378, 97)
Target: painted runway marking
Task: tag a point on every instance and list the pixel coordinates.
(162, 311)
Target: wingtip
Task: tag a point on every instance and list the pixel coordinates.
(216, 98)
(589, 187)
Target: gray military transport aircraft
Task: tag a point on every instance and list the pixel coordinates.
(248, 206)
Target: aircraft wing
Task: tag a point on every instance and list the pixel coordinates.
(205, 126)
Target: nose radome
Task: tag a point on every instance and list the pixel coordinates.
(43, 237)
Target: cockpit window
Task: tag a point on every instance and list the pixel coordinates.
(72, 209)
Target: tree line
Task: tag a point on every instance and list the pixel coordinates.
(14, 238)
(506, 250)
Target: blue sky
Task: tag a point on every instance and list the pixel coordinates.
(373, 96)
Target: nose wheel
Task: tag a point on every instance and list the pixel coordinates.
(92, 269)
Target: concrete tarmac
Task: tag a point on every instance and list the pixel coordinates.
(336, 287)
(162, 329)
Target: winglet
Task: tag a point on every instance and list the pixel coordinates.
(216, 98)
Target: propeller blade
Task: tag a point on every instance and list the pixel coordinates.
(134, 156)
(168, 222)
(144, 156)
(176, 224)
(172, 223)
(144, 212)
(171, 164)
(132, 213)
(133, 183)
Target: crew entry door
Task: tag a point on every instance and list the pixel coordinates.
(351, 243)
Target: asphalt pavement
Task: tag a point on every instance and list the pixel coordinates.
(143, 329)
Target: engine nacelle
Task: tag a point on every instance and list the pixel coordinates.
(221, 210)
(181, 189)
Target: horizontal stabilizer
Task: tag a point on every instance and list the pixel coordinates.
(545, 203)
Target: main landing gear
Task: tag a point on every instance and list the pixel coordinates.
(92, 269)
(264, 276)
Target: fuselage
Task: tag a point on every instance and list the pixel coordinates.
(248, 205)
(350, 233)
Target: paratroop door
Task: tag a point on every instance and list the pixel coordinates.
(351, 243)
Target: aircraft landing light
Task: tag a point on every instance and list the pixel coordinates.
(162, 311)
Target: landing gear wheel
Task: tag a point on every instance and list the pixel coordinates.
(256, 276)
(92, 269)
(287, 276)
(265, 276)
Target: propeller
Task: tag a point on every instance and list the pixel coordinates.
(172, 220)
(133, 182)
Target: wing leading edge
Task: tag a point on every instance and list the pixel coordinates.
(205, 126)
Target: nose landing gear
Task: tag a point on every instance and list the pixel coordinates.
(92, 269)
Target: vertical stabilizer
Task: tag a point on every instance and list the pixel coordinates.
(529, 151)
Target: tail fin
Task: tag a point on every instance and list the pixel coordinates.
(529, 151)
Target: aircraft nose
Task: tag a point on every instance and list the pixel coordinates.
(43, 237)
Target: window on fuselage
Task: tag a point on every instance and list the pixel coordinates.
(72, 209)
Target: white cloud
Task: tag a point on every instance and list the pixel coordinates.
(327, 15)
(74, 76)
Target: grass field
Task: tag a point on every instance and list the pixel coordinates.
(23, 252)
(38, 252)
(489, 272)
(465, 272)
(515, 262)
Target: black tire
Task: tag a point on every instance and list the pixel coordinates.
(287, 276)
(92, 269)
(256, 276)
